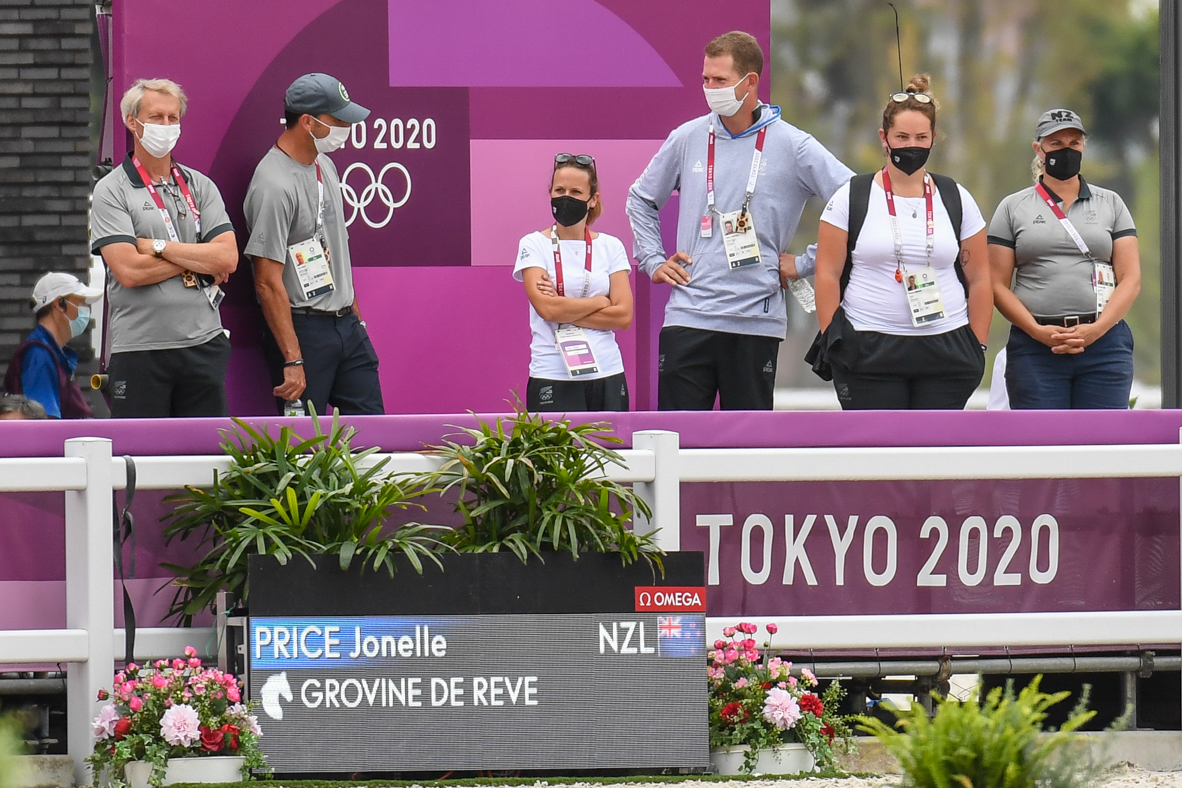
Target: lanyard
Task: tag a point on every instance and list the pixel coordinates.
(320, 203)
(754, 176)
(558, 284)
(931, 222)
(156, 198)
(1062, 217)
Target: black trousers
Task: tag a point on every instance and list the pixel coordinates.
(183, 382)
(573, 396)
(874, 371)
(695, 366)
(340, 365)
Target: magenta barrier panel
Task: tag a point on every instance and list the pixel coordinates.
(789, 547)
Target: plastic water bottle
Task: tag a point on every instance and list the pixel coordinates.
(294, 407)
(804, 294)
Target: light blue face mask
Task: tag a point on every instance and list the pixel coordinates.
(79, 324)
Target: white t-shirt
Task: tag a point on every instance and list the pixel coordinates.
(608, 256)
(873, 300)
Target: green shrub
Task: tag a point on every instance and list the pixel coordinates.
(996, 744)
(288, 497)
(532, 483)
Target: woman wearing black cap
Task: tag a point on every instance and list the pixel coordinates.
(1066, 270)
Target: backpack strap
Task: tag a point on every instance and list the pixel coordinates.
(12, 377)
(950, 195)
(859, 204)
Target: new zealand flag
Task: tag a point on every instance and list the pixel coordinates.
(681, 636)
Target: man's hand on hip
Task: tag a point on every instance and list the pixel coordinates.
(673, 272)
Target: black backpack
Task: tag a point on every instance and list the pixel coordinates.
(860, 186)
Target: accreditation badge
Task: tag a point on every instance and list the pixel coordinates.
(1104, 283)
(738, 239)
(311, 267)
(575, 349)
(214, 294)
(923, 296)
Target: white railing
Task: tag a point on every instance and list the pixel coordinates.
(87, 474)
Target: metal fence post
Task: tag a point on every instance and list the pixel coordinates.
(663, 493)
(90, 600)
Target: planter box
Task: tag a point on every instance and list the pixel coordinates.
(785, 759)
(553, 665)
(208, 769)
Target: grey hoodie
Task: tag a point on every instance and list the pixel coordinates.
(795, 166)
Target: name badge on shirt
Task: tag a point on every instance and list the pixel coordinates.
(738, 239)
(311, 266)
(707, 226)
(575, 349)
(1104, 283)
(214, 294)
(923, 296)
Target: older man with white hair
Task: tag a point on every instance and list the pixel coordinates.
(163, 232)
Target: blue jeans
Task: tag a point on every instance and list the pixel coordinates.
(1099, 377)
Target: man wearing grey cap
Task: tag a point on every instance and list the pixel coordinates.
(316, 345)
(1066, 270)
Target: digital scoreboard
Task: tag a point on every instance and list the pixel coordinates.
(479, 690)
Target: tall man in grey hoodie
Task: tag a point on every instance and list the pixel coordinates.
(726, 316)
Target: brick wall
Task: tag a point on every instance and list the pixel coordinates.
(45, 154)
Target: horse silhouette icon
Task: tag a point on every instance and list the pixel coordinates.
(274, 688)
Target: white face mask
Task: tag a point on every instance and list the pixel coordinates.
(160, 140)
(337, 136)
(723, 100)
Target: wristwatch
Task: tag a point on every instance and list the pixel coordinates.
(158, 248)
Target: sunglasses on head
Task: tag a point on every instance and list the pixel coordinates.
(581, 160)
(903, 95)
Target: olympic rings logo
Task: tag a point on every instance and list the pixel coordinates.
(375, 188)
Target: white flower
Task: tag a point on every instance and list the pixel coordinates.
(251, 722)
(104, 724)
(180, 725)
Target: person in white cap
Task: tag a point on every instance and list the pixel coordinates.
(43, 367)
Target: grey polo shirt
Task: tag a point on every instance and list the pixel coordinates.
(1052, 278)
(166, 315)
(281, 207)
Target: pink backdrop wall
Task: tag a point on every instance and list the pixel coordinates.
(506, 84)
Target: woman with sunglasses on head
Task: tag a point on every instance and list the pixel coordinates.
(1066, 270)
(578, 289)
(902, 282)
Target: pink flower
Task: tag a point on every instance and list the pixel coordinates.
(180, 726)
(730, 655)
(720, 644)
(190, 651)
(772, 629)
(741, 683)
(161, 663)
(720, 656)
(752, 655)
(781, 709)
(728, 631)
(233, 695)
(168, 702)
(103, 726)
(782, 685)
(131, 666)
(792, 681)
(177, 664)
(135, 704)
(750, 628)
(194, 662)
(748, 643)
(159, 682)
(808, 674)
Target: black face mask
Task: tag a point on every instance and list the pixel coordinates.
(1063, 164)
(568, 211)
(909, 160)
